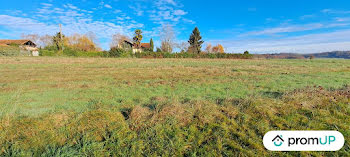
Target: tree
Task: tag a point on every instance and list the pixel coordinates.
(167, 36)
(80, 42)
(138, 38)
(246, 52)
(40, 41)
(195, 41)
(221, 48)
(209, 48)
(159, 50)
(183, 46)
(166, 47)
(118, 40)
(58, 40)
(46, 40)
(93, 37)
(218, 49)
(32, 37)
(151, 45)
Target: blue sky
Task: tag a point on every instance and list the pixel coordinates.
(260, 26)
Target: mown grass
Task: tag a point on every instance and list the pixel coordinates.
(166, 107)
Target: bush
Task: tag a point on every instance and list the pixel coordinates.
(51, 51)
(70, 52)
(122, 53)
(13, 51)
(47, 53)
(118, 52)
(9, 51)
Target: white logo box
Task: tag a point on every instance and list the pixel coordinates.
(303, 141)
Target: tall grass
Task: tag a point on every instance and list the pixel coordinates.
(56, 106)
(231, 127)
(13, 51)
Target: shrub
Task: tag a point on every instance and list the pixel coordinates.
(70, 52)
(13, 51)
(47, 53)
(122, 53)
(9, 51)
(91, 54)
(118, 52)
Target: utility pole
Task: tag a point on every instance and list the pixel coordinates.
(61, 36)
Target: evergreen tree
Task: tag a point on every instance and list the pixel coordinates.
(195, 41)
(152, 45)
(58, 41)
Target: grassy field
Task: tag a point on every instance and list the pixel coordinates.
(151, 107)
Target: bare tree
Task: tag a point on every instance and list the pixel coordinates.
(40, 41)
(46, 40)
(209, 48)
(32, 37)
(183, 46)
(167, 36)
(93, 37)
(118, 39)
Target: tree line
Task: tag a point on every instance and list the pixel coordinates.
(87, 45)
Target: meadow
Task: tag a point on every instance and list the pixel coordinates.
(61, 106)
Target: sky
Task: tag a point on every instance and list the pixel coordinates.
(259, 26)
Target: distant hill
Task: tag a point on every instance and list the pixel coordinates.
(334, 54)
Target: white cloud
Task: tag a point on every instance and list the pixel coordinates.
(168, 11)
(30, 25)
(138, 9)
(188, 21)
(312, 43)
(165, 2)
(179, 12)
(108, 6)
(294, 28)
(46, 4)
(71, 6)
(331, 11)
(74, 20)
(284, 29)
(342, 19)
(117, 11)
(307, 17)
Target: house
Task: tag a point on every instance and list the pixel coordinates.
(25, 45)
(129, 45)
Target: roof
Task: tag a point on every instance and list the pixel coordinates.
(19, 42)
(128, 42)
(145, 45)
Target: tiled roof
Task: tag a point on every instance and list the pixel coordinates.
(145, 45)
(8, 42)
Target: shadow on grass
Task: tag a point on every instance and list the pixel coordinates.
(275, 95)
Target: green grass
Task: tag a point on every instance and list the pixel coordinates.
(151, 107)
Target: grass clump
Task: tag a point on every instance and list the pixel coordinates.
(57, 106)
(234, 127)
(13, 51)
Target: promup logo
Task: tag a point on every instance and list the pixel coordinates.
(304, 141)
(278, 141)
